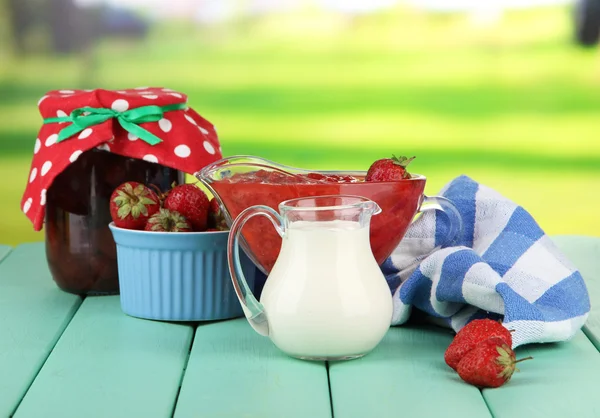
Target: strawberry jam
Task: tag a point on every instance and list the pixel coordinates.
(399, 201)
(80, 249)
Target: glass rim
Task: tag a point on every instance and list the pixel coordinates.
(255, 161)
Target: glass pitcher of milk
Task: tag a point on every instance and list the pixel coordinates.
(326, 297)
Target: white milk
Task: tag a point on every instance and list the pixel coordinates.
(326, 297)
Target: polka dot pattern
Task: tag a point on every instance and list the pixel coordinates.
(208, 147)
(85, 133)
(165, 125)
(27, 205)
(51, 140)
(75, 156)
(182, 151)
(120, 105)
(46, 167)
(150, 158)
(190, 120)
(188, 141)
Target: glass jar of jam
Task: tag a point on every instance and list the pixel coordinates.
(80, 248)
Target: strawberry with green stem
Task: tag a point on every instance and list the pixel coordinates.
(191, 202)
(168, 221)
(472, 334)
(490, 364)
(389, 169)
(132, 204)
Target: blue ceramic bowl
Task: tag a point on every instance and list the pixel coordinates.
(177, 276)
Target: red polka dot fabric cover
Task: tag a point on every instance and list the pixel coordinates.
(189, 142)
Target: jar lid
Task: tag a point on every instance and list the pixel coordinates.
(149, 123)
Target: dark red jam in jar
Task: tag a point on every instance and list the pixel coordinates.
(80, 248)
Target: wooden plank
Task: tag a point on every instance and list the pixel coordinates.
(4, 251)
(33, 314)
(405, 376)
(234, 372)
(108, 364)
(561, 381)
(584, 252)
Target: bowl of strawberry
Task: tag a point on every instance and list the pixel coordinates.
(172, 254)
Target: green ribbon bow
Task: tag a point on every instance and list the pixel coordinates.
(84, 117)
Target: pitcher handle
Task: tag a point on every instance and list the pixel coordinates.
(455, 228)
(253, 309)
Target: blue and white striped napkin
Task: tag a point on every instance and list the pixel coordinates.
(503, 266)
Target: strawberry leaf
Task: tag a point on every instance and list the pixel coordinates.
(135, 211)
(140, 190)
(121, 200)
(124, 211)
(402, 161)
(503, 353)
(147, 201)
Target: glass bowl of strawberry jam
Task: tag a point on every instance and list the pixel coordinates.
(240, 182)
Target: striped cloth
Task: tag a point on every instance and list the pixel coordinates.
(503, 266)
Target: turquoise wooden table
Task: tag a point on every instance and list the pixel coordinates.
(63, 356)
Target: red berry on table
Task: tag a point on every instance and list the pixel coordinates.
(470, 335)
(168, 221)
(489, 365)
(389, 169)
(132, 204)
(216, 219)
(191, 202)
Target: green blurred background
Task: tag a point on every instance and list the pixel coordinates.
(505, 95)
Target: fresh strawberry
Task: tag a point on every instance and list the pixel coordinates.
(191, 202)
(216, 220)
(132, 204)
(489, 365)
(168, 221)
(470, 335)
(389, 169)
